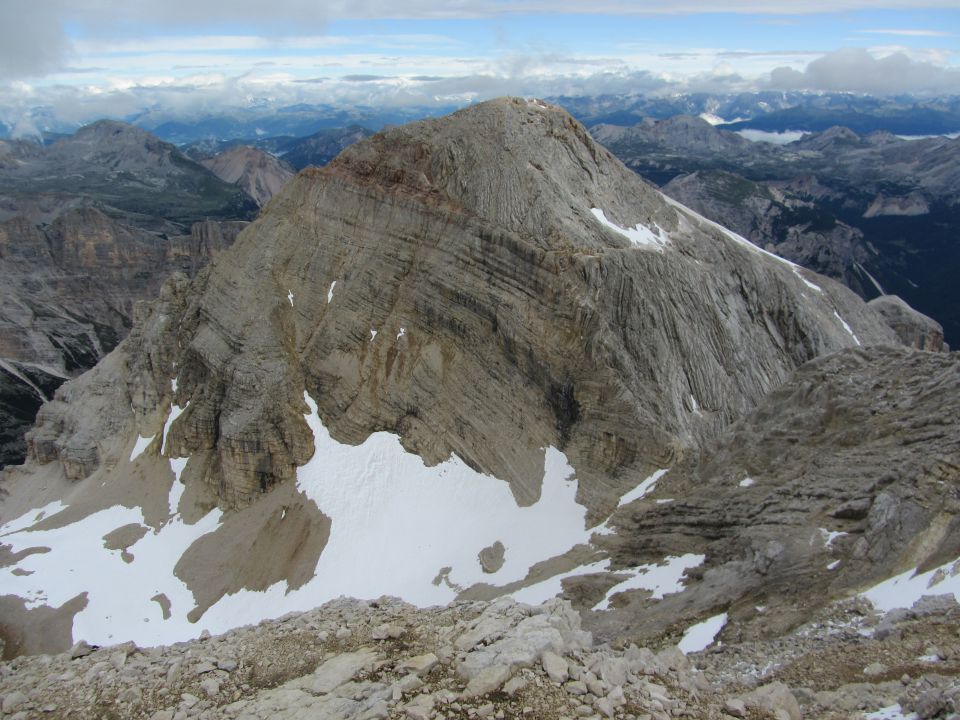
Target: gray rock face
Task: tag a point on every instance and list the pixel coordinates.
(842, 476)
(69, 293)
(502, 309)
(913, 328)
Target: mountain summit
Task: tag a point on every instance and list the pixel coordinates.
(432, 369)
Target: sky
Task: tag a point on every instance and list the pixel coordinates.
(82, 59)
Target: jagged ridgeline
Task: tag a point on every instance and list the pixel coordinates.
(432, 369)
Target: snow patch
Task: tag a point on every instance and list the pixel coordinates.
(330, 291)
(639, 235)
(396, 524)
(175, 412)
(746, 482)
(834, 565)
(890, 712)
(903, 590)
(846, 327)
(700, 636)
(140, 445)
(119, 605)
(553, 586)
(643, 488)
(812, 286)
(373, 335)
(830, 535)
(660, 579)
(290, 297)
(403, 331)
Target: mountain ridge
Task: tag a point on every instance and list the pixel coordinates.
(490, 303)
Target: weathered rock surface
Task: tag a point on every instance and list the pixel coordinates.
(557, 331)
(845, 192)
(913, 328)
(844, 475)
(259, 174)
(298, 667)
(69, 293)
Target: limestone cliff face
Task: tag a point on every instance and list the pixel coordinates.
(69, 293)
(452, 281)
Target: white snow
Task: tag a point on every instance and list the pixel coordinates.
(700, 636)
(175, 412)
(640, 235)
(891, 712)
(796, 270)
(830, 535)
(664, 501)
(396, 523)
(834, 565)
(403, 331)
(330, 291)
(140, 445)
(872, 279)
(643, 488)
(695, 405)
(373, 335)
(173, 385)
(660, 579)
(903, 590)
(846, 327)
(290, 297)
(746, 482)
(551, 587)
(119, 607)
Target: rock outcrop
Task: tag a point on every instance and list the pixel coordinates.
(914, 329)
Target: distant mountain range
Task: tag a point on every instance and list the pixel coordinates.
(769, 111)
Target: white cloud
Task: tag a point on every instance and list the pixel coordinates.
(857, 70)
(905, 32)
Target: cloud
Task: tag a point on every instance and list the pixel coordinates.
(31, 45)
(907, 32)
(857, 70)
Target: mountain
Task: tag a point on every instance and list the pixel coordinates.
(476, 356)
(897, 194)
(322, 147)
(70, 291)
(89, 226)
(782, 221)
(257, 173)
(472, 357)
(122, 167)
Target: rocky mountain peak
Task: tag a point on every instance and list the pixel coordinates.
(524, 165)
(468, 340)
(258, 173)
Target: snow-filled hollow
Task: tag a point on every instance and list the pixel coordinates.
(639, 235)
(701, 636)
(398, 527)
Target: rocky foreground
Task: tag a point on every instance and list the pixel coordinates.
(387, 659)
